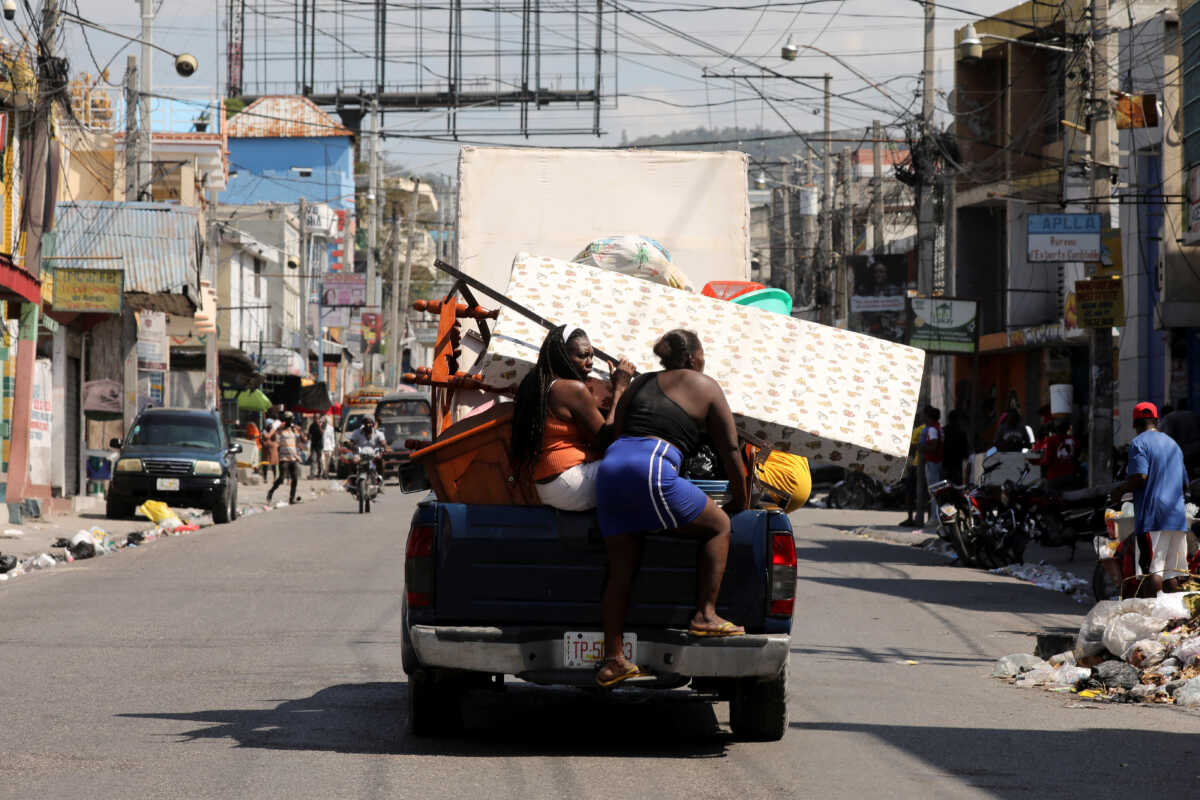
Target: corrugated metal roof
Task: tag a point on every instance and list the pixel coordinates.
(278, 115)
(159, 246)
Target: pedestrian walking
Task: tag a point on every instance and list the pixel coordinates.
(289, 440)
(956, 450)
(316, 448)
(932, 445)
(329, 443)
(1157, 478)
(915, 509)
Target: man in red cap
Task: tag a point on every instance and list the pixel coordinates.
(1157, 478)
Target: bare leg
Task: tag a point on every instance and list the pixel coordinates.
(712, 528)
(624, 554)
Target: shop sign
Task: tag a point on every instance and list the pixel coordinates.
(1100, 303)
(1063, 237)
(88, 291)
(152, 350)
(344, 289)
(943, 324)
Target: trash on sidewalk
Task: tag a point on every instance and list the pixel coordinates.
(12, 533)
(158, 512)
(1049, 577)
(41, 561)
(8, 562)
(1144, 650)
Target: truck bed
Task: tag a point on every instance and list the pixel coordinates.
(536, 566)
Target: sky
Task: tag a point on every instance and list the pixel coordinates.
(657, 75)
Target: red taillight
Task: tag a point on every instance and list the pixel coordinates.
(420, 542)
(781, 599)
(419, 566)
(975, 502)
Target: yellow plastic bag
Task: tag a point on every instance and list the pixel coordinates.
(156, 511)
(788, 472)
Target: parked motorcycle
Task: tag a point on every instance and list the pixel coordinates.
(858, 490)
(367, 482)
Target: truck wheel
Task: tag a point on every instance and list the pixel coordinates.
(226, 508)
(434, 706)
(758, 708)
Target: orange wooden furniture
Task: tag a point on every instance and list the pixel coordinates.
(470, 462)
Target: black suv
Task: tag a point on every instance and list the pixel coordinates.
(180, 456)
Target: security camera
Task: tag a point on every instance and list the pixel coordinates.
(185, 64)
(10, 9)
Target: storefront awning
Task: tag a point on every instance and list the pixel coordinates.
(17, 284)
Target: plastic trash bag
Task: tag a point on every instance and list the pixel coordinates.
(1126, 629)
(8, 563)
(1189, 694)
(638, 256)
(789, 473)
(1090, 641)
(1146, 653)
(156, 511)
(1016, 664)
(1187, 652)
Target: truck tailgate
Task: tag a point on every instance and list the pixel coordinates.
(521, 564)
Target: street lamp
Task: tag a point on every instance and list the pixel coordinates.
(970, 47)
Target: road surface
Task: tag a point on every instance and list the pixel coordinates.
(262, 660)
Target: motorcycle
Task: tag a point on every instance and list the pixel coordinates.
(367, 482)
(857, 490)
(980, 523)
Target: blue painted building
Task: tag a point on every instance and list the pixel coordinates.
(283, 148)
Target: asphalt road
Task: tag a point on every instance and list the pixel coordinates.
(262, 659)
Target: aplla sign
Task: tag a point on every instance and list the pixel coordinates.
(1063, 237)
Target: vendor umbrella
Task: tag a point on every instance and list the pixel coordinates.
(253, 401)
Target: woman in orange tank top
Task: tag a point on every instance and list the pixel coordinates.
(557, 423)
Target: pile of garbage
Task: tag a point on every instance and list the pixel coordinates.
(1143, 650)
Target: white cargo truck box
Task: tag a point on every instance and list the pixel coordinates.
(554, 202)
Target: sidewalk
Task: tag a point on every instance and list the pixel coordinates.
(882, 525)
(39, 535)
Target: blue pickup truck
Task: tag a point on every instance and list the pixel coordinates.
(494, 590)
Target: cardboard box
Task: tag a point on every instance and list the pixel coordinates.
(826, 393)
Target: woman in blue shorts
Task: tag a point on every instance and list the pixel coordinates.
(638, 489)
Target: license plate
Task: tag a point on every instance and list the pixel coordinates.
(586, 648)
(167, 484)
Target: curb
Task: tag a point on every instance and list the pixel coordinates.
(139, 538)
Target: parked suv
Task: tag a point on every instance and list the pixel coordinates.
(180, 456)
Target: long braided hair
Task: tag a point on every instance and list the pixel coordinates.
(533, 396)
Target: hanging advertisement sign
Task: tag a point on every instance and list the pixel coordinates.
(344, 289)
(41, 423)
(1192, 234)
(877, 300)
(89, 291)
(1100, 303)
(152, 350)
(1063, 237)
(943, 324)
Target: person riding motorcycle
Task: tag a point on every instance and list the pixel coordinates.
(367, 435)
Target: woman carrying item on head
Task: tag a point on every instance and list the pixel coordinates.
(557, 424)
(659, 422)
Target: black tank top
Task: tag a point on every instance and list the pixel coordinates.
(651, 413)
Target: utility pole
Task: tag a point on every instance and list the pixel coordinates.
(373, 205)
(304, 285)
(926, 236)
(808, 230)
(826, 272)
(845, 170)
(1100, 384)
(34, 192)
(406, 283)
(145, 155)
(788, 267)
(877, 243)
(133, 171)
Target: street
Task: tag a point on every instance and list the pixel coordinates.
(262, 659)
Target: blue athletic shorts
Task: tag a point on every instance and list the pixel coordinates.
(638, 488)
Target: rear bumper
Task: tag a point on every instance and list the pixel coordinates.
(532, 652)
